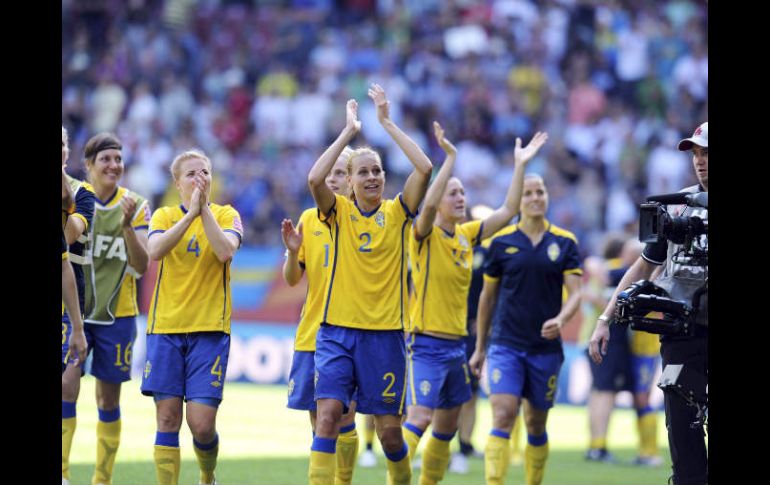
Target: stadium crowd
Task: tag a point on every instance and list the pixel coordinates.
(255, 83)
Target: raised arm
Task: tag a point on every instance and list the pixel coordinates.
(316, 179)
(224, 244)
(136, 239)
(424, 222)
(292, 239)
(77, 222)
(161, 243)
(500, 217)
(417, 183)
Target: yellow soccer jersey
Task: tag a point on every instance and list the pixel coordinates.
(442, 265)
(192, 291)
(127, 306)
(367, 285)
(315, 257)
(645, 344)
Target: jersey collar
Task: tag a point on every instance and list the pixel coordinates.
(367, 214)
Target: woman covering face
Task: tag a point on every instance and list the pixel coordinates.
(188, 329)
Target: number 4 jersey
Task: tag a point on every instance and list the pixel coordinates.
(110, 280)
(192, 290)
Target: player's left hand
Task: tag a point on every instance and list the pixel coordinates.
(551, 329)
(523, 155)
(204, 185)
(380, 101)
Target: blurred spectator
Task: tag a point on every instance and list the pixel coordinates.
(254, 84)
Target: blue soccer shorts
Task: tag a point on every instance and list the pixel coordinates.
(302, 381)
(533, 376)
(644, 369)
(110, 345)
(438, 374)
(188, 365)
(615, 373)
(373, 362)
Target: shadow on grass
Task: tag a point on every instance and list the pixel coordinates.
(565, 467)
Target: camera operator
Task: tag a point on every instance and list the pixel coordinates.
(681, 278)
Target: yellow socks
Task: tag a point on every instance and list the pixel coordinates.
(647, 424)
(167, 458)
(107, 443)
(516, 456)
(598, 443)
(399, 466)
(322, 461)
(535, 456)
(207, 458)
(412, 436)
(496, 457)
(435, 458)
(347, 450)
(68, 425)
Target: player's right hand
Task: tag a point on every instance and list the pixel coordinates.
(599, 341)
(78, 348)
(352, 122)
(477, 360)
(292, 238)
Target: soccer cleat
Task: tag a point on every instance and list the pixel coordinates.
(213, 482)
(651, 461)
(64, 481)
(458, 464)
(600, 455)
(367, 459)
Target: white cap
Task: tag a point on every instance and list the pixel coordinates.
(700, 137)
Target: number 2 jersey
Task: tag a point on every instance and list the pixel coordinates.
(366, 288)
(110, 280)
(192, 290)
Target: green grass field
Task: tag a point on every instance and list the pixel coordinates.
(262, 442)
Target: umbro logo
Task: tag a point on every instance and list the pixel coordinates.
(317, 233)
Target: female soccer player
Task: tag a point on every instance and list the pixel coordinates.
(309, 250)
(360, 344)
(188, 328)
(119, 255)
(441, 252)
(77, 214)
(526, 267)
